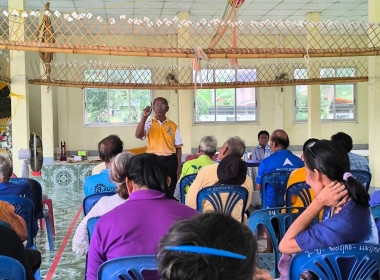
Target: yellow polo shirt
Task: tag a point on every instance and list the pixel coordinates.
(163, 138)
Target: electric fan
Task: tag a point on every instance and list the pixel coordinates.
(32, 156)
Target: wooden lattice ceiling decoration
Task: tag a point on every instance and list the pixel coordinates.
(85, 33)
(113, 75)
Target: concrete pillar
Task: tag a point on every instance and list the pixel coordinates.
(374, 101)
(62, 108)
(313, 91)
(19, 86)
(279, 108)
(47, 122)
(185, 97)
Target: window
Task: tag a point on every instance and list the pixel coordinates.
(337, 100)
(115, 106)
(226, 104)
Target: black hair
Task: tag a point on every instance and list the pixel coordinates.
(263, 132)
(307, 142)
(110, 147)
(148, 170)
(329, 158)
(343, 139)
(213, 230)
(164, 100)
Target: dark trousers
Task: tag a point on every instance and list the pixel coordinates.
(171, 166)
(34, 259)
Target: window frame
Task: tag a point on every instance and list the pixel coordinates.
(256, 121)
(355, 99)
(112, 124)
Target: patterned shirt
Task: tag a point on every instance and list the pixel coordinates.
(99, 183)
(193, 166)
(163, 137)
(358, 162)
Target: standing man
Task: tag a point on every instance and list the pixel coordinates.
(164, 139)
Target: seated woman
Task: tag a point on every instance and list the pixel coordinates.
(136, 226)
(350, 219)
(11, 246)
(118, 174)
(221, 248)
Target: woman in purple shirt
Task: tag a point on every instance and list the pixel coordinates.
(350, 219)
(136, 226)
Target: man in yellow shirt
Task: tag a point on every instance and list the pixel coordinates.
(164, 139)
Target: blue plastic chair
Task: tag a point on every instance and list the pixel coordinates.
(285, 217)
(42, 213)
(186, 181)
(349, 261)
(122, 268)
(91, 226)
(300, 189)
(23, 207)
(234, 195)
(376, 211)
(279, 180)
(91, 200)
(363, 177)
(11, 269)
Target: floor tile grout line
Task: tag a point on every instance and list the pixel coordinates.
(50, 274)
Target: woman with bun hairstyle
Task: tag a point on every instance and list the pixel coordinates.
(347, 216)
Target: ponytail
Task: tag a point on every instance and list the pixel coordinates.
(357, 192)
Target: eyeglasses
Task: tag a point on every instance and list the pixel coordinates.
(314, 156)
(162, 106)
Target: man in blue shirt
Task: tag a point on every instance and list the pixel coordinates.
(281, 159)
(108, 148)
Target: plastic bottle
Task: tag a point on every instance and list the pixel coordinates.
(245, 156)
(267, 151)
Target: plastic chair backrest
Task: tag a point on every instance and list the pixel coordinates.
(234, 195)
(91, 225)
(11, 269)
(121, 268)
(279, 180)
(23, 207)
(37, 192)
(301, 190)
(186, 181)
(363, 177)
(265, 217)
(39, 212)
(333, 263)
(91, 200)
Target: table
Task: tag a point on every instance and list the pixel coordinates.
(64, 174)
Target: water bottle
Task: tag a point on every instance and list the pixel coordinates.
(245, 156)
(267, 151)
